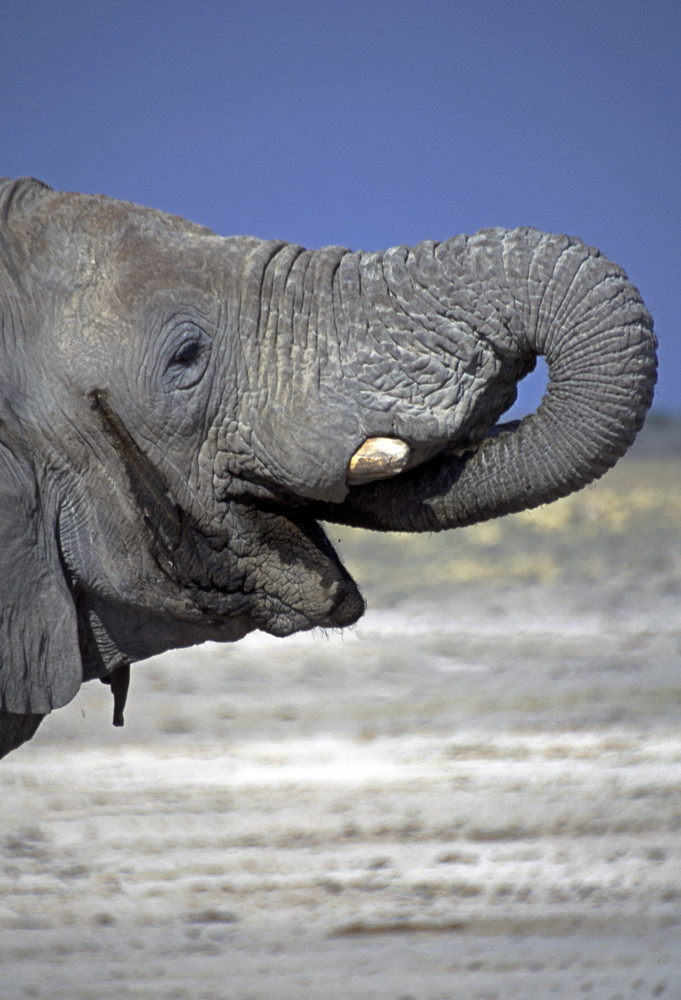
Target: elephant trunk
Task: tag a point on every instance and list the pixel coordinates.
(498, 300)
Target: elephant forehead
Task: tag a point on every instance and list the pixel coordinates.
(140, 269)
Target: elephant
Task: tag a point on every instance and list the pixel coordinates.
(180, 410)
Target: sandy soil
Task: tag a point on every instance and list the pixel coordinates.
(476, 793)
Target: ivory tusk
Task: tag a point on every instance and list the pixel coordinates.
(378, 458)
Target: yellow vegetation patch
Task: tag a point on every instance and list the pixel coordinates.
(470, 569)
(602, 507)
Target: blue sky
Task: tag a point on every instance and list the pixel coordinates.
(366, 124)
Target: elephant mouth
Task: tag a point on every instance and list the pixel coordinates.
(270, 567)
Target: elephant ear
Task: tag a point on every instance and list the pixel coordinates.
(40, 663)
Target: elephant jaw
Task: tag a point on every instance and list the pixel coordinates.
(268, 567)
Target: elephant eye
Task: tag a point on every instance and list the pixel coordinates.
(187, 354)
(189, 359)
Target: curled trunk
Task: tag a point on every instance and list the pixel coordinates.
(489, 305)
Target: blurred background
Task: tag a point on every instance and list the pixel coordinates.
(366, 124)
(476, 792)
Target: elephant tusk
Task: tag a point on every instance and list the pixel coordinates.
(377, 458)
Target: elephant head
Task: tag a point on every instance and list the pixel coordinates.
(177, 411)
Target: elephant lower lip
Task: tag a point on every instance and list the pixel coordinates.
(301, 583)
(349, 606)
(343, 606)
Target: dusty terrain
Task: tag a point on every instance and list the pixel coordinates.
(476, 793)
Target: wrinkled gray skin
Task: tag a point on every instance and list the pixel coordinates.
(177, 411)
